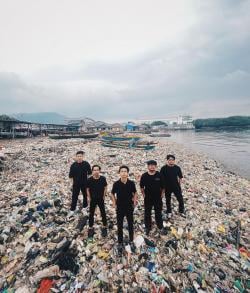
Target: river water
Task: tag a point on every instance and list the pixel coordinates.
(229, 147)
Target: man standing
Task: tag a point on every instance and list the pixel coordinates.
(96, 191)
(172, 176)
(78, 173)
(152, 188)
(124, 197)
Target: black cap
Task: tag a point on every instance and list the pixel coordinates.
(170, 156)
(152, 162)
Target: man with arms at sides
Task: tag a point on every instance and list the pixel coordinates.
(152, 188)
(172, 176)
(96, 191)
(124, 198)
(78, 174)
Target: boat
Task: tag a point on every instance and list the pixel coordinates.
(73, 135)
(162, 134)
(8, 135)
(128, 146)
(120, 138)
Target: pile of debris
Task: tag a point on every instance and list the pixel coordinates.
(42, 249)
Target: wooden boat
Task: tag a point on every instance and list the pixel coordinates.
(74, 135)
(8, 135)
(160, 134)
(128, 146)
(120, 138)
(131, 142)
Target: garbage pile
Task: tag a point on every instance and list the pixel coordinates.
(42, 250)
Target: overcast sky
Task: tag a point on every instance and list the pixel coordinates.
(130, 59)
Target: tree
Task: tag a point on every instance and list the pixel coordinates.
(233, 121)
(158, 123)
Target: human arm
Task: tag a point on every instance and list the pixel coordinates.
(105, 184)
(162, 184)
(113, 200)
(180, 176)
(105, 191)
(135, 199)
(88, 194)
(113, 197)
(89, 171)
(71, 174)
(142, 186)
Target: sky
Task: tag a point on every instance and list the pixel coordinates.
(121, 60)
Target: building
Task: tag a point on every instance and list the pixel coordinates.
(117, 128)
(131, 126)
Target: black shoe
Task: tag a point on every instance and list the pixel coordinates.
(104, 232)
(91, 233)
(120, 250)
(183, 214)
(164, 231)
(132, 246)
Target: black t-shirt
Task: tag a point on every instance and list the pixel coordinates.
(79, 172)
(171, 175)
(152, 184)
(124, 193)
(96, 187)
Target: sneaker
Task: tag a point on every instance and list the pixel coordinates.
(164, 231)
(132, 246)
(104, 232)
(169, 215)
(84, 211)
(183, 214)
(91, 233)
(120, 249)
(70, 214)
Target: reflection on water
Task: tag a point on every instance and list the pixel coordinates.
(231, 148)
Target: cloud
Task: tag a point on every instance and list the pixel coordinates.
(205, 73)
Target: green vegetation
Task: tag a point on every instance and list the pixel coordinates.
(158, 123)
(233, 121)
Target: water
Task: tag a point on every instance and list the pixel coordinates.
(229, 147)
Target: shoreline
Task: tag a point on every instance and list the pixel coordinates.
(215, 199)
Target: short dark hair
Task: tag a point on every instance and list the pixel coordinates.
(96, 166)
(152, 162)
(170, 156)
(124, 167)
(80, 153)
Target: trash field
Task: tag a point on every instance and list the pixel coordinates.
(42, 250)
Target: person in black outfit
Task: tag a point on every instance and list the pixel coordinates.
(152, 188)
(96, 191)
(172, 176)
(79, 172)
(124, 197)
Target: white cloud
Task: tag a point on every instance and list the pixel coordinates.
(203, 69)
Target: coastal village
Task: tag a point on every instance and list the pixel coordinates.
(14, 128)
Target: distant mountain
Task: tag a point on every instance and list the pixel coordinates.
(41, 117)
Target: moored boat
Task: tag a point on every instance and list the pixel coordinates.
(162, 134)
(74, 135)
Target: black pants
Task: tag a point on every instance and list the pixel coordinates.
(155, 203)
(178, 194)
(100, 203)
(121, 214)
(75, 193)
